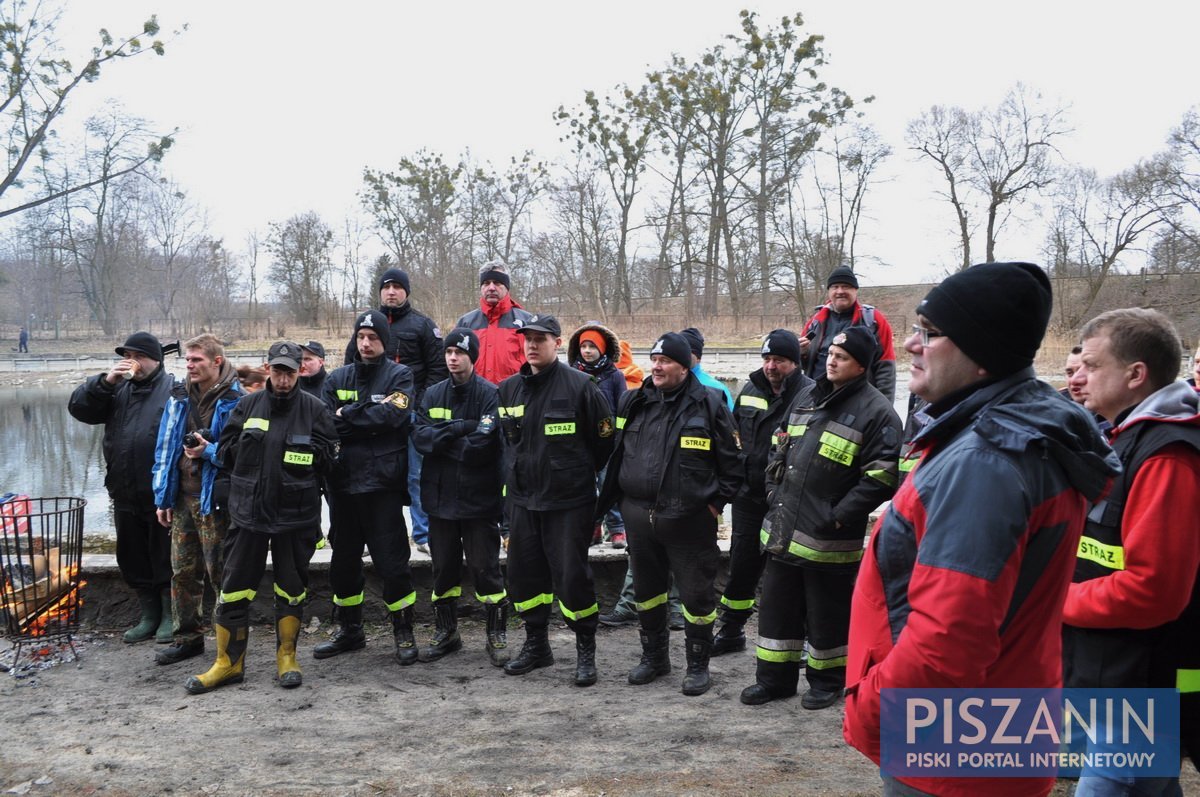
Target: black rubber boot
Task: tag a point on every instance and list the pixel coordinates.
(656, 658)
(402, 633)
(534, 653)
(585, 658)
(732, 636)
(497, 633)
(697, 680)
(445, 636)
(151, 607)
(348, 636)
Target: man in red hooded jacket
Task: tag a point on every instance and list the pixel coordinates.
(497, 324)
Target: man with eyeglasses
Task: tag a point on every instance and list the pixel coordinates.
(965, 574)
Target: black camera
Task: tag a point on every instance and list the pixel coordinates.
(192, 439)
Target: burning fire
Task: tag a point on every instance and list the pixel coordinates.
(35, 621)
(63, 610)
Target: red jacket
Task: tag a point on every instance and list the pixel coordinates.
(501, 349)
(964, 577)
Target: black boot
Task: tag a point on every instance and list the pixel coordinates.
(445, 637)
(534, 653)
(402, 632)
(656, 658)
(348, 636)
(732, 636)
(697, 681)
(497, 633)
(585, 658)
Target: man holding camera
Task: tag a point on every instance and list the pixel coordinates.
(185, 474)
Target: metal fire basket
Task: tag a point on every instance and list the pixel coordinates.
(41, 550)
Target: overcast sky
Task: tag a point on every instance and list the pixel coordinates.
(280, 105)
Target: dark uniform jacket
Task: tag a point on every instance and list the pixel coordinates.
(376, 404)
(315, 385)
(558, 433)
(836, 461)
(823, 327)
(759, 412)
(414, 341)
(274, 449)
(130, 412)
(676, 453)
(461, 477)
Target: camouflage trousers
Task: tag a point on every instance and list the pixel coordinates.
(196, 549)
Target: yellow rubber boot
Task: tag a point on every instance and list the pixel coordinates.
(287, 631)
(229, 668)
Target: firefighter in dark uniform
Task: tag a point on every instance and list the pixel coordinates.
(835, 462)
(274, 447)
(758, 411)
(675, 467)
(558, 432)
(371, 399)
(456, 432)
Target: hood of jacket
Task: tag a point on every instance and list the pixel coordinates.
(612, 346)
(1021, 412)
(1178, 402)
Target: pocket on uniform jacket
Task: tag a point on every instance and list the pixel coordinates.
(559, 429)
(298, 457)
(696, 445)
(249, 448)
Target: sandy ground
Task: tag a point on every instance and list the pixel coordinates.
(115, 723)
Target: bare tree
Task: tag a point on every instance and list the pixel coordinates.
(300, 247)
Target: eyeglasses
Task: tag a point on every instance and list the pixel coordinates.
(926, 334)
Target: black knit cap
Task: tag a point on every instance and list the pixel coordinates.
(995, 312)
(782, 343)
(397, 276)
(674, 345)
(859, 342)
(464, 339)
(842, 276)
(496, 271)
(143, 343)
(695, 340)
(377, 323)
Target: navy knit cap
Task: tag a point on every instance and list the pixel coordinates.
(995, 312)
(859, 342)
(397, 276)
(674, 345)
(377, 323)
(695, 340)
(782, 343)
(464, 339)
(143, 343)
(842, 276)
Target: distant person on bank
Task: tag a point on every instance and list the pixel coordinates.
(497, 323)
(841, 310)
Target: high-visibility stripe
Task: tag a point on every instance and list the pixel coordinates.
(737, 605)
(453, 592)
(883, 477)
(347, 395)
(756, 402)
(552, 429)
(1187, 681)
(403, 603)
(517, 411)
(797, 429)
(620, 422)
(440, 413)
(240, 595)
(839, 449)
(1110, 556)
(322, 542)
(490, 599)
(827, 659)
(297, 458)
(764, 536)
(257, 423)
(657, 600)
(828, 557)
(579, 615)
(353, 600)
(700, 619)
(908, 463)
(780, 651)
(534, 602)
(696, 443)
(293, 600)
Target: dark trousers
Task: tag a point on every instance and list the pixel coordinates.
(246, 561)
(683, 547)
(800, 602)
(479, 539)
(746, 559)
(143, 549)
(548, 562)
(376, 521)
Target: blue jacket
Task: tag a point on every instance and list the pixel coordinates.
(708, 380)
(168, 448)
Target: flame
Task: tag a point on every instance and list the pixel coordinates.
(63, 611)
